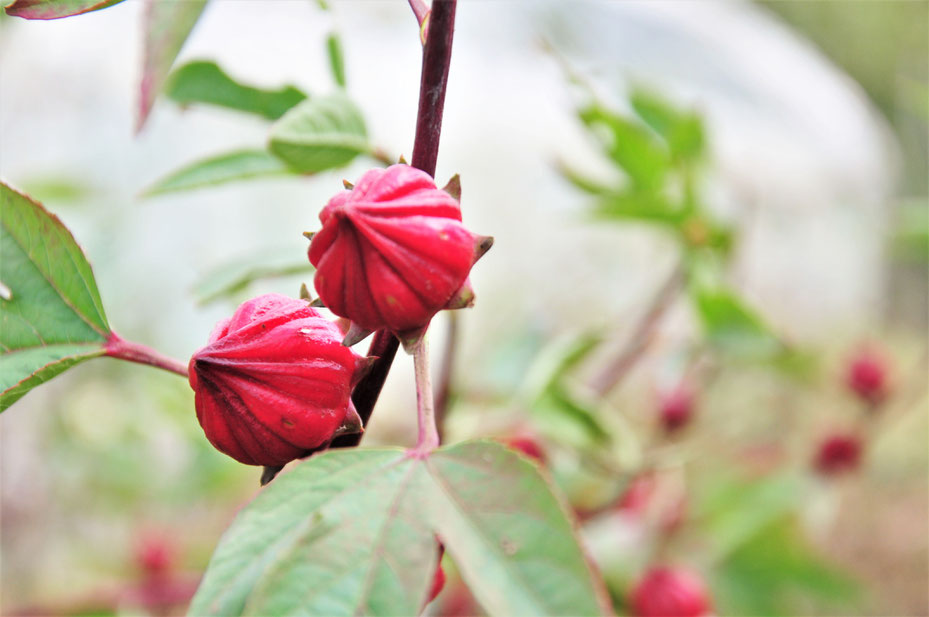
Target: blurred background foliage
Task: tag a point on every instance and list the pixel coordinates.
(112, 500)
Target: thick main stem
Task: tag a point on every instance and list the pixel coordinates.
(428, 435)
(437, 55)
(134, 352)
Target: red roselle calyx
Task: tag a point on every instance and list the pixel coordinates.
(676, 408)
(274, 382)
(838, 454)
(392, 252)
(866, 376)
(670, 592)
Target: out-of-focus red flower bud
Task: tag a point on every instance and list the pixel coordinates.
(867, 376)
(838, 454)
(670, 592)
(155, 554)
(637, 494)
(392, 252)
(526, 444)
(274, 382)
(676, 408)
(438, 579)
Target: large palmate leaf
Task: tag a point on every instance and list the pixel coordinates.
(220, 169)
(166, 26)
(204, 82)
(320, 133)
(353, 532)
(51, 316)
(54, 9)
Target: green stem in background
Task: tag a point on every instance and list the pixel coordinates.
(437, 55)
(617, 369)
(443, 391)
(427, 438)
(135, 352)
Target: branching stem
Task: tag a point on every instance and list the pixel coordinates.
(135, 352)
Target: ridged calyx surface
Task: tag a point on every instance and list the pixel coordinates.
(274, 382)
(670, 592)
(392, 251)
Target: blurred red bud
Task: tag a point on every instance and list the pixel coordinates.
(670, 592)
(637, 494)
(155, 554)
(838, 454)
(274, 382)
(527, 445)
(867, 375)
(676, 407)
(438, 579)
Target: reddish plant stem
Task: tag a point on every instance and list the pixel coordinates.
(135, 352)
(427, 438)
(437, 55)
(616, 370)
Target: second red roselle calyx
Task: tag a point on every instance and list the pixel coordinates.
(670, 592)
(392, 252)
(275, 382)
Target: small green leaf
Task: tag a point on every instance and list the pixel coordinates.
(681, 130)
(319, 134)
(734, 510)
(54, 9)
(51, 315)
(204, 82)
(775, 567)
(732, 325)
(641, 207)
(911, 236)
(353, 532)
(232, 278)
(221, 169)
(336, 58)
(166, 26)
(631, 146)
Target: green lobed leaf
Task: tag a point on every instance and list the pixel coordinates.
(733, 326)
(632, 147)
(353, 532)
(166, 26)
(51, 315)
(320, 133)
(235, 276)
(220, 169)
(55, 9)
(205, 82)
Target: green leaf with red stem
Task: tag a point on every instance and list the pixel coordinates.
(166, 25)
(55, 9)
(51, 315)
(352, 532)
(205, 82)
